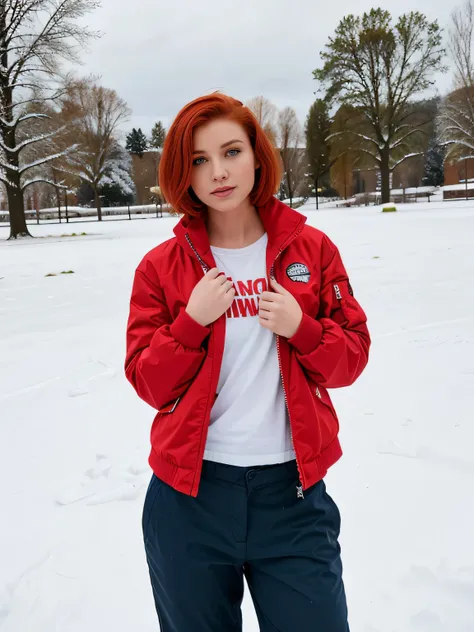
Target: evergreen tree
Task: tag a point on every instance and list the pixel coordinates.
(434, 164)
(317, 130)
(136, 142)
(114, 195)
(158, 134)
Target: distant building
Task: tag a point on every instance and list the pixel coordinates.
(408, 174)
(456, 172)
(459, 179)
(145, 175)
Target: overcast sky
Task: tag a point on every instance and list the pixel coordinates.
(160, 54)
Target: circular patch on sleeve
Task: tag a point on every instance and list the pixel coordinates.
(298, 272)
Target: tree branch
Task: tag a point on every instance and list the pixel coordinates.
(400, 140)
(365, 151)
(56, 185)
(399, 162)
(348, 131)
(42, 161)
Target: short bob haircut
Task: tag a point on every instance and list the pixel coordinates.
(177, 160)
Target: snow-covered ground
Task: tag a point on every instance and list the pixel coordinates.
(74, 436)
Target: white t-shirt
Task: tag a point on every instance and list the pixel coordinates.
(249, 420)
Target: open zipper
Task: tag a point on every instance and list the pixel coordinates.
(170, 408)
(205, 268)
(299, 488)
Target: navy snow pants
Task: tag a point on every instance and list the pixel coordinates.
(245, 522)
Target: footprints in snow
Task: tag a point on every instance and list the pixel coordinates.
(77, 382)
(435, 599)
(11, 594)
(104, 483)
(447, 595)
(392, 448)
(84, 384)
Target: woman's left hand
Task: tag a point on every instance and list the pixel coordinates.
(279, 311)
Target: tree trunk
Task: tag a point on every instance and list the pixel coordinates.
(58, 199)
(16, 207)
(18, 227)
(98, 204)
(385, 174)
(317, 193)
(16, 204)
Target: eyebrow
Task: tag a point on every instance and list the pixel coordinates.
(229, 142)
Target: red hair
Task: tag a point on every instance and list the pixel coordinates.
(176, 160)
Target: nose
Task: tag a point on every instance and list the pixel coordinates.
(219, 173)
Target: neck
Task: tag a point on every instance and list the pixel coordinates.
(234, 229)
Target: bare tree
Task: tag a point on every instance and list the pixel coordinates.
(456, 116)
(266, 113)
(378, 67)
(292, 156)
(92, 115)
(460, 44)
(35, 35)
(46, 129)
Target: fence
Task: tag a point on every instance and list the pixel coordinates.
(77, 214)
(408, 194)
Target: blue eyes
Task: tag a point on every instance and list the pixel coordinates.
(231, 153)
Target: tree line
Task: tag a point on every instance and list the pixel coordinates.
(63, 131)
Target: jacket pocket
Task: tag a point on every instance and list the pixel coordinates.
(346, 310)
(327, 416)
(169, 408)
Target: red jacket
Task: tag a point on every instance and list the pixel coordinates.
(174, 363)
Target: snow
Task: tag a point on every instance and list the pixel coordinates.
(411, 155)
(21, 118)
(7, 165)
(427, 189)
(116, 168)
(31, 140)
(294, 200)
(74, 437)
(46, 159)
(58, 185)
(363, 136)
(458, 187)
(119, 173)
(79, 213)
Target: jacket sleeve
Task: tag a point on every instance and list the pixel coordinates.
(163, 355)
(334, 348)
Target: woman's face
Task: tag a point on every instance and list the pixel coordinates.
(223, 171)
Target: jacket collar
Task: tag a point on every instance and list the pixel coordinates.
(281, 224)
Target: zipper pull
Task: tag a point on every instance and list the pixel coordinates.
(299, 491)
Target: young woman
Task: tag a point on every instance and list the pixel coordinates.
(237, 327)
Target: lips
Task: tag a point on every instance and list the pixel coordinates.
(223, 192)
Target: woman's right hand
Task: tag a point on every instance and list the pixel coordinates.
(211, 297)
